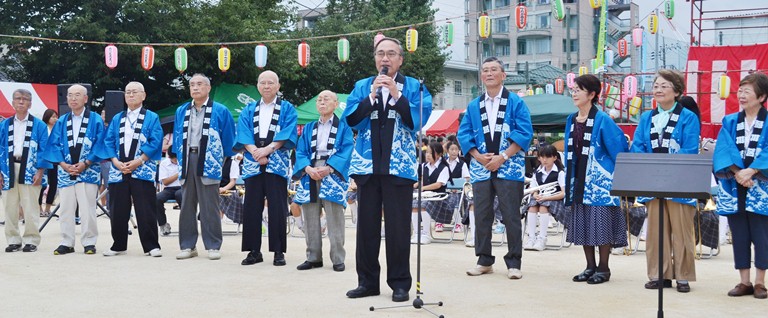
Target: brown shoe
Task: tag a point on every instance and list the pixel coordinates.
(761, 292)
(655, 284)
(683, 287)
(741, 290)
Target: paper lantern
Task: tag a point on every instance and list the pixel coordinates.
(225, 58)
(110, 56)
(147, 57)
(377, 38)
(560, 85)
(653, 103)
(634, 105)
(637, 36)
(180, 59)
(724, 86)
(484, 26)
(669, 9)
(260, 55)
(595, 3)
(521, 16)
(558, 10)
(612, 95)
(411, 39)
(614, 113)
(571, 78)
(630, 86)
(593, 65)
(623, 47)
(303, 51)
(539, 91)
(583, 70)
(529, 92)
(604, 89)
(621, 101)
(448, 33)
(550, 89)
(653, 23)
(609, 57)
(342, 50)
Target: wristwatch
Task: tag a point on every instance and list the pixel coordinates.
(504, 155)
(272, 146)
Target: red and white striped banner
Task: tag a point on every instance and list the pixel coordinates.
(43, 97)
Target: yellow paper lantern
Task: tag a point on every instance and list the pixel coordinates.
(653, 23)
(411, 39)
(225, 58)
(583, 70)
(595, 3)
(724, 86)
(634, 105)
(484, 26)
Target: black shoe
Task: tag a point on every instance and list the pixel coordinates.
(584, 276)
(339, 267)
(29, 248)
(683, 287)
(279, 259)
(599, 278)
(399, 295)
(252, 258)
(654, 284)
(61, 250)
(361, 291)
(13, 248)
(90, 250)
(309, 265)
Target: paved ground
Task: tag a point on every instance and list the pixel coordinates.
(77, 285)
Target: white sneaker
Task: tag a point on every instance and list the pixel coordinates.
(514, 273)
(187, 253)
(617, 251)
(528, 245)
(425, 239)
(165, 229)
(414, 239)
(480, 270)
(214, 255)
(155, 252)
(541, 244)
(113, 253)
(458, 228)
(470, 243)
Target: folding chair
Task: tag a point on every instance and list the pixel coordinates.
(456, 186)
(706, 227)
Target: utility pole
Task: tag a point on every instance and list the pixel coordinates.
(567, 39)
(656, 59)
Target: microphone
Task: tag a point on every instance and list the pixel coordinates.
(384, 71)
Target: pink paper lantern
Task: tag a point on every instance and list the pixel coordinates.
(570, 79)
(637, 36)
(377, 38)
(110, 56)
(630, 86)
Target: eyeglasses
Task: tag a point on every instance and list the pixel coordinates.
(389, 54)
(662, 87)
(133, 92)
(575, 91)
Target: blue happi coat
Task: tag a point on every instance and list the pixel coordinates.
(333, 187)
(402, 161)
(150, 144)
(35, 160)
(58, 150)
(684, 140)
(280, 160)
(516, 128)
(221, 138)
(606, 143)
(726, 155)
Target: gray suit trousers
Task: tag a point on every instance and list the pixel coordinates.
(510, 194)
(194, 192)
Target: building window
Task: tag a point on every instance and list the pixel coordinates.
(466, 51)
(486, 50)
(487, 5)
(501, 25)
(466, 28)
(466, 6)
(521, 67)
(457, 88)
(543, 21)
(573, 21)
(522, 47)
(543, 1)
(502, 49)
(574, 45)
(502, 3)
(543, 45)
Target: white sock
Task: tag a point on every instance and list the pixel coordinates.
(298, 221)
(426, 223)
(353, 207)
(543, 224)
(530, 227)
(415, 223)
(644, 229)
(472, 224)
(723, 227)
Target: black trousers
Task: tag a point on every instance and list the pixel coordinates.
(130, 192)
(274, 188)
(53, 181)
(162, 197)
(396, 196)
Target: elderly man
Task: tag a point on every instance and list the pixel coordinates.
(24, 137)
(203, 136)
(322, 165)
(267, 130)
(496, 131)
(72, 146)
(133, 143)
(385, 111)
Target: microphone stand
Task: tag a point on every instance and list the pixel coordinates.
(418, 303)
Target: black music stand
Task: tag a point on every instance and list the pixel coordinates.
(662, 176)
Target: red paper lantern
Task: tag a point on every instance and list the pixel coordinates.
(303, 54)
(559, 86)
(521, 16)
(147, 57)
(623, 47)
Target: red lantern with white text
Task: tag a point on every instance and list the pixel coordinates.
(303, 54)
(623, 47)
(521, 16)
(147, 57)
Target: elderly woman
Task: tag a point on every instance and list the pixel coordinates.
(593, 141)
(742, 168)
(670, 128)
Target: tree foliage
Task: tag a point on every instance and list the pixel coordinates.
(186, 21)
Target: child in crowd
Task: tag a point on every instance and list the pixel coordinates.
(544, 201)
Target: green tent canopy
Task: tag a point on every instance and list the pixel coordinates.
(549, 111)
(307, 112)
(233, 96)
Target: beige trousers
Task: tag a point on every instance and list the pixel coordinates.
(24, 195)
(679, 241)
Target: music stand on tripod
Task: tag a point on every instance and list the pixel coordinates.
(662, 176)
(418, 303)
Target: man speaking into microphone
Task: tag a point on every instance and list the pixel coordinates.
(384, 109)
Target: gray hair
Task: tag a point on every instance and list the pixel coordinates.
(396, 41)
(494, 59)
(23, 92)
(205, 78)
